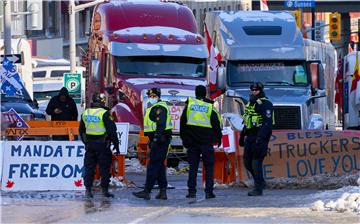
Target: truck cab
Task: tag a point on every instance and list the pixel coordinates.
(136, 46)
(298, 74)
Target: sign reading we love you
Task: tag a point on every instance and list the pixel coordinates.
(36, 165)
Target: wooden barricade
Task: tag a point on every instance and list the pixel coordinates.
(46, 128)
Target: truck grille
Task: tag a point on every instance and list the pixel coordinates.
(287, 117)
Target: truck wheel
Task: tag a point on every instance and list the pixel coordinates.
(173, 162)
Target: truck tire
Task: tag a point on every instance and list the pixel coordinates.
(173, 162)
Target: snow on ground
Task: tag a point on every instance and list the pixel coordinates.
(340, 200)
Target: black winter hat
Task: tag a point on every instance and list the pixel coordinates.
(200, 91)
(155, 91)
(257, 85)
(64, 92)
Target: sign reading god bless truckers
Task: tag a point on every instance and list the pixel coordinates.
(43, 165)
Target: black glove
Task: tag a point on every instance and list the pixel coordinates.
(117, 150)
(219, 142)
(242, 139)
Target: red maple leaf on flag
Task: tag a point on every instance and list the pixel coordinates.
(78, 183)
(9, 184)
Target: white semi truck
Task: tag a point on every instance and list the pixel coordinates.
(267, 47)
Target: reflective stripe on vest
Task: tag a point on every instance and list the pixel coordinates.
(149, 125)
(253, 119)
(93, 119)
(199, 113)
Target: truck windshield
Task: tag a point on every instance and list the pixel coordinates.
(286, 73)
(161, 66)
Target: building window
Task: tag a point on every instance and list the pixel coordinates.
(238, 7)
(229, 8)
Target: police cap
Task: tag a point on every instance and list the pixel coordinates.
(257, 85)
(154, 91)
(99, 98)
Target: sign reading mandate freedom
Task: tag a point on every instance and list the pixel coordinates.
(47, 165)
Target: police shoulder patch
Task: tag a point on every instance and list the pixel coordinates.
(268, 113)
(259, 101)
(158, 111)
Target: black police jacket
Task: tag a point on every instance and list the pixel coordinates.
(194, 135)
(265, 109)
(158, 114)
(109, 126)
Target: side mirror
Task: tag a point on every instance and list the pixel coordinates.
(95, 70)
(36, 104)
(221, 78)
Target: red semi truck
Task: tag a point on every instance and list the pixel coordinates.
(136, 46)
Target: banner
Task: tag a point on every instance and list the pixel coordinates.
(298, 154)
(42, 165)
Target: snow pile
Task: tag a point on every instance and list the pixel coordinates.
(134, 166)
(117, 182)
(346, 202)
(340, 200)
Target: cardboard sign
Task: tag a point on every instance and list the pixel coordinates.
(42, 165)
(297, 154)
(123, 134)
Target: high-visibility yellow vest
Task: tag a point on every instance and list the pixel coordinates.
(253, 119)
(149, 125)
(93, 119)
(199, 113)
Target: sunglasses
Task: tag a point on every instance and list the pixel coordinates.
(254, 89)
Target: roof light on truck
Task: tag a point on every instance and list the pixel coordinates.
(158, 36)
(115, 36)
(145, 36)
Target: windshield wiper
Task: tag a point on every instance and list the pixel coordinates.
(171, 74)
(281, 83)
(243, 82)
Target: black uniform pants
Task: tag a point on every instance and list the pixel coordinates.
(97, 153)
(207, 153)
(156, 170)
(254, 155)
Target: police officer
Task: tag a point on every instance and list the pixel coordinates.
(158, 127)
(258, 121)
(200, 128)
(96, 130)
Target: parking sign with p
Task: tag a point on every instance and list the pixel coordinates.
(73, 83)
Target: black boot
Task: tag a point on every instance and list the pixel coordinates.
(106, 193)
(145, 194)
(162, 194)
(255, 192)
(191, 194)
(88, 193)
(209, 195)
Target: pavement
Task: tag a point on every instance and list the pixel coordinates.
(231, 205)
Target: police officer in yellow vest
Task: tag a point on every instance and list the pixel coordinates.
(258, 122)
(158, 127)
(200, 129)
(97, 130)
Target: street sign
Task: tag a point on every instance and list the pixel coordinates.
(300, 4)
(73, 84)
(14, 58)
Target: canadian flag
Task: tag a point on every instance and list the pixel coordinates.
(215, 59)
(264, 5)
